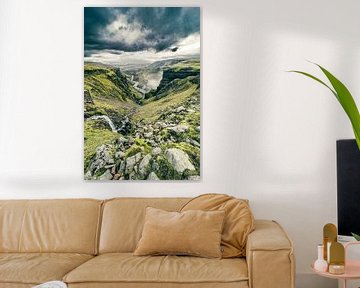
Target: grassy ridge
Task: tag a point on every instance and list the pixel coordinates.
(168, 119)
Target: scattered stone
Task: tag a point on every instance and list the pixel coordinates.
(130, 163)
(122, 167)
(145, 166)
(156, 151)
(179, 159)
(195, 143)
(131, 141)
(88, 176)
(122, 140)
(106, 176)
(180, 109)
(138, 157)
(153, 176)
(179, 129)
(117, 176)
(119, 155)
(148, 135)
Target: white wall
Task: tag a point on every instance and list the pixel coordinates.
(267, 135)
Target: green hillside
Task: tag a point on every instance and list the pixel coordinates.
(130, 138)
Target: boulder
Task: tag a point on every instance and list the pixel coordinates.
(179, 160)
(180, 109)
(156, 151)
(106, 176)
(145, 165)
(119, 155)
(153, 176)
(130, 163)
(178, 129)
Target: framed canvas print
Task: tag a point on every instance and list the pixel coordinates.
(142, 93)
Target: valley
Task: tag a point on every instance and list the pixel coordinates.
(142, 123)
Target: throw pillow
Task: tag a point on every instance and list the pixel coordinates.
(239, 220)
(196, 233)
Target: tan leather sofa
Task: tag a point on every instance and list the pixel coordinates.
(89, 243)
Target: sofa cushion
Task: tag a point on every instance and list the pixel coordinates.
(36, 268)
(239, 220)
(123, 220)
(63, 226)
(126, 268)
(193, 232)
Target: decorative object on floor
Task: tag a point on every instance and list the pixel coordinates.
(329, 237)
(344, 97)
(320, 264)
(239, 220)
(194, 233)
(52, 284)
(142, 93)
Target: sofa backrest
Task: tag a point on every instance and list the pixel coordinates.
(67, 226)
(123, 220)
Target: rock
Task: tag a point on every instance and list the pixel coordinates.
(156, 151)
(153, 176)
(103, 158)
(178, 129)
(130, 163)
(148, 135)
(194, 178)
(195, 143)
(122, 140)
(179, 160)
(88, 176)
(198, 128)
(144, 166)
(119, 155)
(138, 157)
(122, 167)
(180, 109)
(106, 176)
(117, 177)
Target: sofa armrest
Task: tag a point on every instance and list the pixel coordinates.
(269, 256)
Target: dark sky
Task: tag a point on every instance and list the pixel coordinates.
(137, 28)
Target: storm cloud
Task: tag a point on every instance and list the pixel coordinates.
(134, 29)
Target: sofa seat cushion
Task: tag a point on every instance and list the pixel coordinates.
(36, 268)
(125, 267)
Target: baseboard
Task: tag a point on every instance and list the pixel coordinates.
(309, 280)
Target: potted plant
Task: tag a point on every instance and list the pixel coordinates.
(346, 100)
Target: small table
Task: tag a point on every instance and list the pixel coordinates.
(352, 269)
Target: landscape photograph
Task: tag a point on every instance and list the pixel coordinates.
(142, 93)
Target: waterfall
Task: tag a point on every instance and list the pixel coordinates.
(106, 118)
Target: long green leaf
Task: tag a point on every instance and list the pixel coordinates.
(316, 79)
(344, 97)
(357, 237)
(347, 102)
